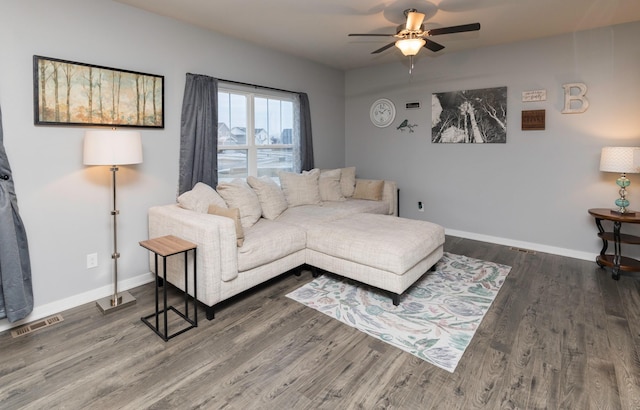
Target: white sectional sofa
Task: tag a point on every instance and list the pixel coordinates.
(249, 231)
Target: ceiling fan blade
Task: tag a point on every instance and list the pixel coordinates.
(414, 20)
(381, 49)
(372, 35)
(432, 45)
(454, 29)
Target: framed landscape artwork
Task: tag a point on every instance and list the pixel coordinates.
(470, 116)
(71, 93)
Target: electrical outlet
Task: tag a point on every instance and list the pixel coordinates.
(92, 260)
(420, 207)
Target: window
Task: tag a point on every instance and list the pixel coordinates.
(256, 133)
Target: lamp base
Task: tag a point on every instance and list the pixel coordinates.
(108, 304)
(625, 213)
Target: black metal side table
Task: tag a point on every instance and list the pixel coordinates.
(166, 246)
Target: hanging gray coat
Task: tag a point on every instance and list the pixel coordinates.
(16, 294)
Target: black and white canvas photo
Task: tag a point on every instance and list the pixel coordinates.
(469, 116)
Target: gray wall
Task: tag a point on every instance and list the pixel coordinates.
(65, 205)
(533, 191)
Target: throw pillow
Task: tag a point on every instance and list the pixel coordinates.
(368, 189)
(329, 184)
(301, 189)
(348, 181)
(272, 200)
(237, 194)
(233, 214)
(199, 198)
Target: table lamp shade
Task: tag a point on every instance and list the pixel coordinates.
(620, 160)
(112, 147)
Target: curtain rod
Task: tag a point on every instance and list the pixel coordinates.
(253, 85)
(257, 86)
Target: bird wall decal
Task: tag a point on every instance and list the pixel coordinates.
(404, 125)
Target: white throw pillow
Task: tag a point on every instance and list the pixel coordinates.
(237, 194)
(199, 198)
(329, 183)
(301, 189)
(272, 200)
(348, 181)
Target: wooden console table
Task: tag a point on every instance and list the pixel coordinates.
(616, 261)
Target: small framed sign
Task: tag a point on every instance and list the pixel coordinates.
(534, 95)
(533, 120)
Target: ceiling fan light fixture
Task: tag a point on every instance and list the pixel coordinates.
(410, 46)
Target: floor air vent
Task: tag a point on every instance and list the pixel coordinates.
(32, 327)
(523, 250)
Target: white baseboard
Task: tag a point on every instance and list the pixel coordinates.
(52, 308)
(571, 253)
(58, 306)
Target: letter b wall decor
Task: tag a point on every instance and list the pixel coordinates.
(576, 103)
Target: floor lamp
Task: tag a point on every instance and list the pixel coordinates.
(113, 147)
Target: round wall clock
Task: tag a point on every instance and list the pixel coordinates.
(382, 112)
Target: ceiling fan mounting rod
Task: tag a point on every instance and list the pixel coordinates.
(407, 11)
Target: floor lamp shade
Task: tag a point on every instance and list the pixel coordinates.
(109, 147)
(113, 147)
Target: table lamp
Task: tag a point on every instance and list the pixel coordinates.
(113, 147)
(623, 160)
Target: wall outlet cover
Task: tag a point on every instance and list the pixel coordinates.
(92, 260)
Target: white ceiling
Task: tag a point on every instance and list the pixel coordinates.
(317, 29)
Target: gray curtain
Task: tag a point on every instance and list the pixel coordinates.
(16, 294)
(306, 142)
(199, 133)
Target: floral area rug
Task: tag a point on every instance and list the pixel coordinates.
(436, 318)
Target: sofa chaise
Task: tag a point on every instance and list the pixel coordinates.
(250, 231)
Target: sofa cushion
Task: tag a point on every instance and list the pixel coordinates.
(233, 213)
(267, 241)
(301, 189)
(358, 206)
(368, 189)
(348, 181)
(329, 184)
(272, 200)
(199, 198)
(238, 194)
(308, 216)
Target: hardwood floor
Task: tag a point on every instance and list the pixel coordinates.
(561, 334)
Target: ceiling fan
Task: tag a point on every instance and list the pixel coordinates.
(412, 36)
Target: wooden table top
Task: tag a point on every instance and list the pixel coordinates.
(611, 215)
(167, 245)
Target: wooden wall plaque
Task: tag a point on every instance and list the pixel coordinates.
(533, 120)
